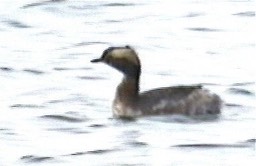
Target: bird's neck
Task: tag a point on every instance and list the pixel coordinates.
(128, 90)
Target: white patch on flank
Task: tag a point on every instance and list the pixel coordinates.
(120, 110)
(161, 105)
(201, 101)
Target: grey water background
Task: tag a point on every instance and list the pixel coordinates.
(55, 106)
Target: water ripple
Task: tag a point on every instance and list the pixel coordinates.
(69, 130)
(212, 146)
(243, 83)
(252, 140)
(96, 152)
(91, 78)
(241, 91)
(26, 106)
(40, 3)
(118, 4)
(202, 29)
(233, 105)
(33, 71)
(66, 68)
(246, 14)
(245, 144)
(64, 118)
(6, 131)
(97, 125)
(89, 43)
(194, 14)
(16, 24)
(6, 69)
(137, 144)
(35, 159)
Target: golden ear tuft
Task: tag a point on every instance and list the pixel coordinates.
(126, 53)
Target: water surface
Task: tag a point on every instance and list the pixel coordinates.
(55, 106)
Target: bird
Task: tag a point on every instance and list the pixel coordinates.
(129, 102)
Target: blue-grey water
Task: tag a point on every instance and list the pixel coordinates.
(55, 106)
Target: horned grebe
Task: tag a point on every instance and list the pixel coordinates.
(129, 103)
